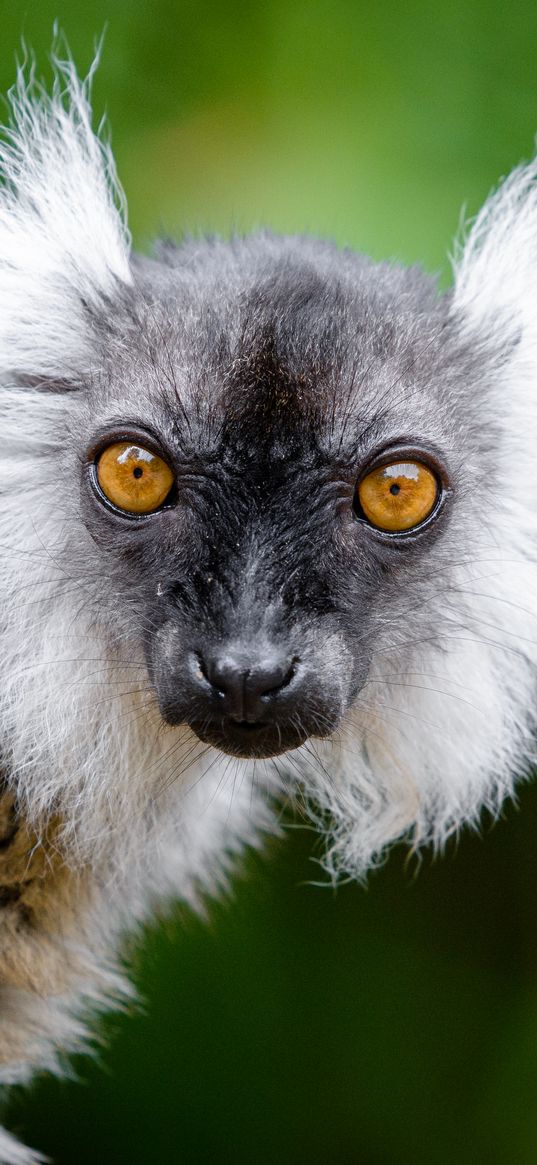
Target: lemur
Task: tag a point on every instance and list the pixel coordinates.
(267, 531)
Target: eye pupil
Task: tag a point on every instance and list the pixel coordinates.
(395, 489)
(138, 472)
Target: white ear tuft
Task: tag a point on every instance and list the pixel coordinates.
(496, 267)
(64, 244)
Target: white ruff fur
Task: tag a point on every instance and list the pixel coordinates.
(440, 730)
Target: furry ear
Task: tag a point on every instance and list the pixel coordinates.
(64, 245)
(496, 267)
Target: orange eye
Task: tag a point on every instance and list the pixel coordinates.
(398, 497)
(133, 478)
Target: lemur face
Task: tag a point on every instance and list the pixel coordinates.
(277, 451)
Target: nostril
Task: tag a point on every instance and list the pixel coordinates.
(224, 676)
(205, 676)
(283, 682)
(199, 670)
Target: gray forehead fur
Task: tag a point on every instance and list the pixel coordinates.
(264, 326)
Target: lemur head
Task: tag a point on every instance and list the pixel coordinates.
(294, 485)
(277, 442)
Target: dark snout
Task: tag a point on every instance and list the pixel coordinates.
(252, 699)
(246, 697)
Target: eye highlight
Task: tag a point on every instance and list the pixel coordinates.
(133, 478)
(398, 497)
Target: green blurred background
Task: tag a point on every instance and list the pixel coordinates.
(385, 1026)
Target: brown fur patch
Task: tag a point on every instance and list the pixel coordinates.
(37, 898)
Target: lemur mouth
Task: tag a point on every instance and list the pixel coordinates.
(249, 739)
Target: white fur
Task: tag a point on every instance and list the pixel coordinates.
(13, 1153)
(439, 731)
(60, 230)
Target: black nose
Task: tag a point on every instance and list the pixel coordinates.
(244, 682)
